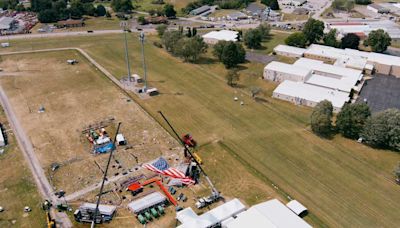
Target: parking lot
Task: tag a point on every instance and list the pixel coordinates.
(381, 92)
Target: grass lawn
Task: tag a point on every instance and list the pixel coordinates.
(294, 17)
(146, 5)
(222, 13)
(17, 188)
(91, 23)
(343, 183)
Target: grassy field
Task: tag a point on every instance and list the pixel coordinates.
(294, 17)
(17, 188)
(146, 5)
(91, 23)
(343, 183)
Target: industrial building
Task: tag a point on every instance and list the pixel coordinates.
(279, 72)
(215, 36)
(233, 214)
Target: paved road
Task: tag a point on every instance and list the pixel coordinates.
(59, 34)
(27, 149)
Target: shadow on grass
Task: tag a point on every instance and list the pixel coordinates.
(206, 60)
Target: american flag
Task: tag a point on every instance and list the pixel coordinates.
(161, 166)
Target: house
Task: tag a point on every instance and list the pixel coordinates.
(200, 10)
(70, 23)
(215, 36)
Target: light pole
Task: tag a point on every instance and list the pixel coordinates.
(141, 37)
(123, 24)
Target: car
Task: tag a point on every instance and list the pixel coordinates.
(90, 31)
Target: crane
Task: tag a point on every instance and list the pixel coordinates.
(187, 151)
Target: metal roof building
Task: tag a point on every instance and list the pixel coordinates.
(6, 22)
(190, 219)
(310, 95)
(148, 201)
(270, 214)
(200, 10)
(289, 51)
(215, 36)
(103, 209)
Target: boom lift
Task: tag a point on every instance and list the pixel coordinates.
(189, 143)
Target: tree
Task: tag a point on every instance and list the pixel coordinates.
(108, 14)
(253, 38)
(20, 7)
(350, 40)
(189, 32)
(194, 31)
(297, 39)
(321, 118)
(122, 6)
(161, 29)
(190, 48)
(330, 39)
(232, 77)
(378, 40)
(169, 39)
(363, 2)
(88, 9)
(169, 11)
(313, 30)
(383, 130)
(274, 5)
(351, 119)
(141, 20)
(47, 16)
(100, 10)
(265, 30)
(229, 53)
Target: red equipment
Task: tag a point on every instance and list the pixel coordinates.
(189, 141)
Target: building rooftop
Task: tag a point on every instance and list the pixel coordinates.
(290, 49)
(104, 209)
(296, 207)
(312, 93)
(5, 22)
(288, 69)
(226, 35)
(270, 214)
(200, 9)
(190, 219)
(147, 201)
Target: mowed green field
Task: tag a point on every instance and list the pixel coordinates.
(343, 183)
(17, 187)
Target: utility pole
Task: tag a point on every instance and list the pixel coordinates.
(141, 37)
(124, 24)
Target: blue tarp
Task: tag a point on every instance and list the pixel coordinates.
(107, 147)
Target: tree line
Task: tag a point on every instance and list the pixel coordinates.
(355, 121)
(313, 32)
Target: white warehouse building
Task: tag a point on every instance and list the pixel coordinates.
(215, 36)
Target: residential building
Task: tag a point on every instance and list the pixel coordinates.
(70, 23)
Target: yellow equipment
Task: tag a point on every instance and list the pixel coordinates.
(51, 223)
(198, 158)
